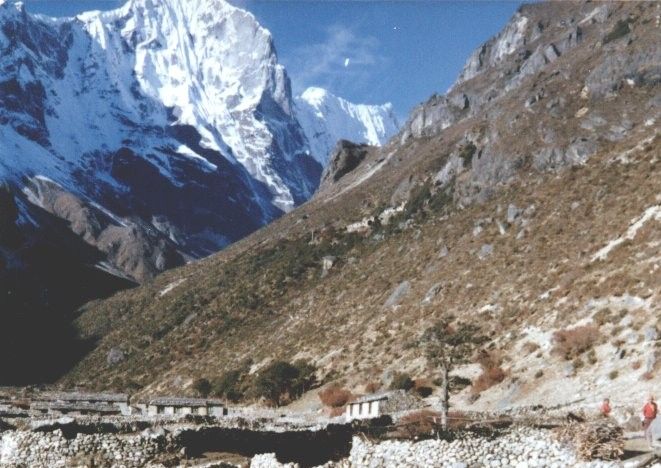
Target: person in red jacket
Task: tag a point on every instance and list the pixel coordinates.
(605, 408)
(650, 411)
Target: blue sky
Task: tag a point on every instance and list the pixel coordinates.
(365, 51)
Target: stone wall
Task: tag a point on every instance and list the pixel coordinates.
(52, 449)
(521, 448)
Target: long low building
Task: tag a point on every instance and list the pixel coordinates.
(58, 407)
(81, 403)
(182, 406)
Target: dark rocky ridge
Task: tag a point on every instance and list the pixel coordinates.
(346, 157)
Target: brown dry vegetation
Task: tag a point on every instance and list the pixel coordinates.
(572, 342)
(492, 372)
(335, 396)
(418, 423)
(265, 298)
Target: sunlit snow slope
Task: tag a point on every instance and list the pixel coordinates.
(326, 118)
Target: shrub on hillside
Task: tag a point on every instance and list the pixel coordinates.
(401, 381)
(202, 387)
(488, 378)
(228, 386)
(492, 374)
(423, 387)
(335, 396)
(281, 381)
(620, 29)
(572, 342)
(419, 423)
(372, 387)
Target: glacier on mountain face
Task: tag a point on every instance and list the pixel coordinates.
(326, 119)
(169, 117)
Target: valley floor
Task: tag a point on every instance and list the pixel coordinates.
(533, 438)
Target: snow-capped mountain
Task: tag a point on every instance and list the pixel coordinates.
(162, 130)
(326, 119)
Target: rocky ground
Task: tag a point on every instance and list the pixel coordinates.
(161, 446)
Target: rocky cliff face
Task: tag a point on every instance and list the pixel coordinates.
(345, 157)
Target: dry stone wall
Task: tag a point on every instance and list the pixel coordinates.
(53, 449)
(520, 448)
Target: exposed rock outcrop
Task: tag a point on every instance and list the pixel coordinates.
(346, 157)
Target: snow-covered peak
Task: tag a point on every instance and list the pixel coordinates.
(326, 118)
(172, 113)
(314, 96)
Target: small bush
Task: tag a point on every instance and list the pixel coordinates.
(228, 386)
(418, 423)
(592, 357)
(613, 374)
(647, 376)
(530, 347)
(372, 386)
(281, 381)
(620, 29)
(457, 383)
(636, 365)
(335, 396)
(604, 316)
(401, 381)
(202, 387)
(492, 374)
(539, 374)
(489, 377)
(467, 152)
(572, 342)
(423, 387)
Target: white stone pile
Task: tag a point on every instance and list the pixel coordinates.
(269, 460)
(520, 448)
(52, 449)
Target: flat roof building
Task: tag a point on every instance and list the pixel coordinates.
(182, 406)
(81, 403)
(378, 404)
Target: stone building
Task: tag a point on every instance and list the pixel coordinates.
(182, 406)
(379, 404)
(81, 403)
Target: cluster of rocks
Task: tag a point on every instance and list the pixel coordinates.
(521, 448)
(53, 449)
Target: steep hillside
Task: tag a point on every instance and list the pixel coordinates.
(135, 140)
(519, 206)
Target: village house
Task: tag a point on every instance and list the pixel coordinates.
(81, 403)
(182, 406)
(379, 404)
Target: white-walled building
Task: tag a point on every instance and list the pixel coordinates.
(181, 406)
(81, 403)
(365, 407)
(379, 404)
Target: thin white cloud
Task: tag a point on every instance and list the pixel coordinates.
(326, 63)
